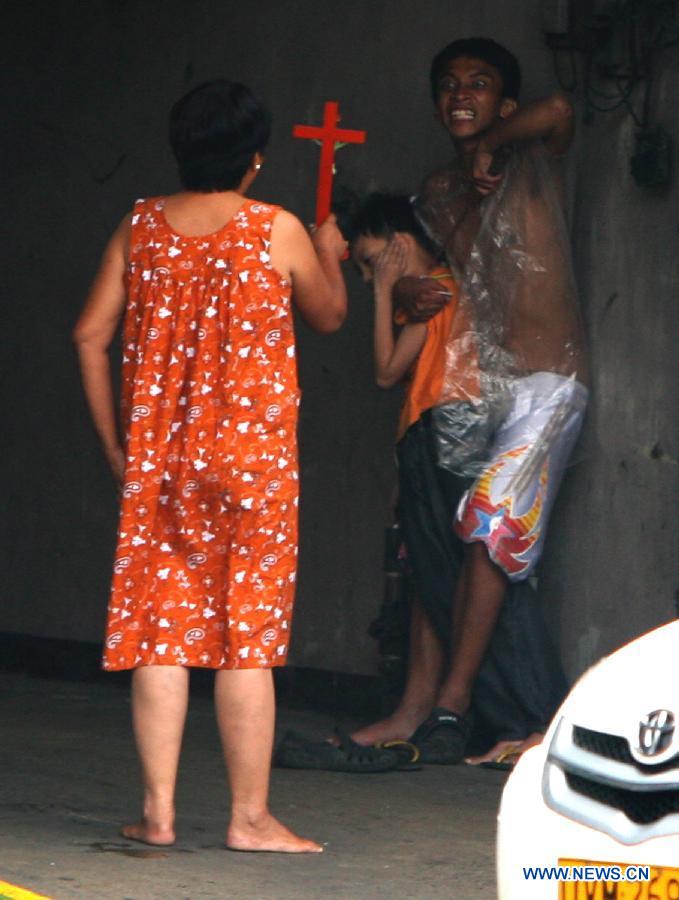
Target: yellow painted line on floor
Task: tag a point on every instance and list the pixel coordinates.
(12, 892)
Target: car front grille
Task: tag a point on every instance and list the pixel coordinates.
(612, 746)
(642, 807)
(609, 745)
(592, 777)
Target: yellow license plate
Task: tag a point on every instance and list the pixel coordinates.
(663, 884)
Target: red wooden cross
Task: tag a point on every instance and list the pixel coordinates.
(329, 135)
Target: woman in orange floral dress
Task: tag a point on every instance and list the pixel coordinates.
(204, 573)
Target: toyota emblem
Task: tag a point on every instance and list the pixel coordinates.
(655, 732)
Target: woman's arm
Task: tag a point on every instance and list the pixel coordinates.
(93, 334)
(393, 358)
(313, 266)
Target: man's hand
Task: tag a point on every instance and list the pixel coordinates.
(487, 173)
(390, 264)
(419, 298)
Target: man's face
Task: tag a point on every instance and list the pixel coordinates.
(364, 252)
(470, 98)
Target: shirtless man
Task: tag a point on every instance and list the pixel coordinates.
(495, 211)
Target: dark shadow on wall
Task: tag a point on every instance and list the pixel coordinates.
(333, 693)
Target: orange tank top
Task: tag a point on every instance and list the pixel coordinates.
(450, 345)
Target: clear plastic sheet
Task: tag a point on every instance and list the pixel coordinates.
(510, 253)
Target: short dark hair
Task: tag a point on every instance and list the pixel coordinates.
(214, 132)
(381, 215)
(480, 48)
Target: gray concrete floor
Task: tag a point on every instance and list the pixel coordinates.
(68, 778)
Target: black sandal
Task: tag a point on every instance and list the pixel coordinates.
(442, 737)
(297, 752)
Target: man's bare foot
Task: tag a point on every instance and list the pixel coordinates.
(398, 727)
(146, 833)
(498, 753)
(532, 741)
(266, 834)
(506, 751)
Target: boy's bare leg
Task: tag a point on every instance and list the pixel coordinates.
(425, 669)
(245, 706)
(474, 620)
(159, 704)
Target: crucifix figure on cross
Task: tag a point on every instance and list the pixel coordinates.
(331, 138)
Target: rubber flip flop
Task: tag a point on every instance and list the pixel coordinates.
(504, 761)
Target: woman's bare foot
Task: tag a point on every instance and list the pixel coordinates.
(146, 833)
(266, 834)
(397, 727)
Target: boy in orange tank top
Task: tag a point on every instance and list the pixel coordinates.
(388, 244)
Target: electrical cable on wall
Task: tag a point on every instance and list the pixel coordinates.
(619, 42)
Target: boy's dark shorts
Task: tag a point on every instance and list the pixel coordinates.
(428, 499)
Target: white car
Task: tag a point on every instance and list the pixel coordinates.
(599, 798)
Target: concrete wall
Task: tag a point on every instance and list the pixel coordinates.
(87, 105)
(611, 569)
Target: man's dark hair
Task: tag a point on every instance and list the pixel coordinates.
(214, 132)
(479, 48)
(381, 215)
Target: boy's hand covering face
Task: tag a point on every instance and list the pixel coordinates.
(390, 264)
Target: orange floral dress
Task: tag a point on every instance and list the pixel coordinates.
(205, 567)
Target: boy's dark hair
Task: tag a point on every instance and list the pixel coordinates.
(214, 132)
(381, 215)
(480, 48)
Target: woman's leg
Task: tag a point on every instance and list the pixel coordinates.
(245, 707)
(159, 704)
